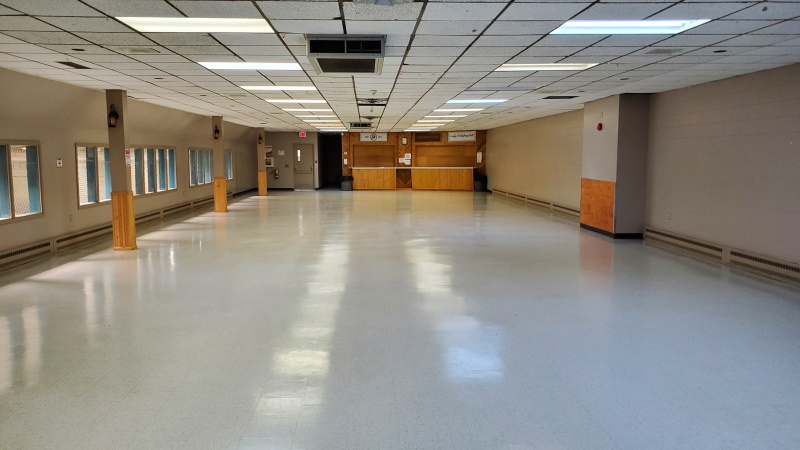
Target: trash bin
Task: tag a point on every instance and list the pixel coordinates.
(347, 183)
(480, 183)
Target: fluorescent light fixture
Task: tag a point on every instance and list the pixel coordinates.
(420, 129)
(295, 100)
(553, 66)
(307, 110)
(454, 115)
(250, 66)
(314, 117)
(459, 110)
(481, 100)
(627, 26)
(279, 88)
(323, 121)
(336, 130)
(195, 25)
(435, 121)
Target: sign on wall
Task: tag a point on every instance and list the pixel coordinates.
(374, 137)
(461, 136)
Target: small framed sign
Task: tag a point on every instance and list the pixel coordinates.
(461, 136)
(374, 137)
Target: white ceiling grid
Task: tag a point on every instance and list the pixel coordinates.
(436, 50)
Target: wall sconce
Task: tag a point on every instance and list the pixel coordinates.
(260, 139)
(216, 132)
(112, 117)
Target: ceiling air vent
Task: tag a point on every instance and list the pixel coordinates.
(360, 125)
(347, 55)
(559, 97)
(73, 65)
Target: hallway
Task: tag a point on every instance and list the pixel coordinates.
(394, 320)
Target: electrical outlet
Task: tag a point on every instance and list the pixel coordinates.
(669, 216)
(70, 217)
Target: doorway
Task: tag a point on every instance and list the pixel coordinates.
(330, 160)
(303, 167)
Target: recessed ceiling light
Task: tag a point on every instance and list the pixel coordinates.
(295, 100)
(308, 110)
(627, 26)
(435, 121)
(311, 116)
(552, 66)
(323, 121)
(453, 115)
(279, 88)
(499, 88)
(421, 129)
(195, 25)
(457, 110)
(428, 125)
(483, 100)
(250, 66)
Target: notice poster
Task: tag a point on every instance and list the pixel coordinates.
(461, 136)
(374, 137)
(268, 151)
(128, 157)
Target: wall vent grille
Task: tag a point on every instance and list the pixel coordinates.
(741, 259)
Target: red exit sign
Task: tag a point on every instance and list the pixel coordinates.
(302, 134)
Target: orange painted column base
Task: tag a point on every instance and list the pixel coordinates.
(220, 194)
(262, 183)
(597, 204)
(123, 220)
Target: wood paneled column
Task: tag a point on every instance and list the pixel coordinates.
(123, 219)
(261, 146)
(614, 169)
(220, 181)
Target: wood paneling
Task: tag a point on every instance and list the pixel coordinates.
(442, 179)
(402, 149)
(480, 147)
(374, 179)
(445, 156)
(123, 220)
(262, 183)
(220, 194)
(597, 204)
(346, 154)
(374, 155)
(404, 179)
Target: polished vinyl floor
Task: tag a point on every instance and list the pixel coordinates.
(393, 320)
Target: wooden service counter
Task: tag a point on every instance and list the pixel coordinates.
(445, 161)
(425, 178)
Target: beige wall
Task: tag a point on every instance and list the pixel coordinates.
(724, 161)
(58, 115)
(539, 158)
(285, 164)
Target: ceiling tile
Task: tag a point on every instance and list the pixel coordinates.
(405, 11)
(454, 28)
(543, 11)
(47, 37)
(768, 11)
(227, 9)
(696, 11)
(618, 11)
(300, 10)
(24, 23)
(134, 8)
(52, 8)
(519, 27)
(308, 26)
(93, 24)
(462, 11)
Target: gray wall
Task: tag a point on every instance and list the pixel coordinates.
(58, 115)
(539, 158)
(724, 161)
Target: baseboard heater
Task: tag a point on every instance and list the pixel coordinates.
(542, 204)
(42, 249)
(767, 266)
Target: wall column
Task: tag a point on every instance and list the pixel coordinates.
(614, 172)
(123, 219)
(262, 166)
(220, 181)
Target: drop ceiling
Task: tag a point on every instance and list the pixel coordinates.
(435, 51)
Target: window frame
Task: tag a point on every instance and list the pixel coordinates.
(14, 218)
(169, 152)
(97, 178)
(229, 168)
(202, 171)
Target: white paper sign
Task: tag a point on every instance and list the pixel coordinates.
(408, 156)
(281, 152)
(374, 137)
(480, 157)
(461, 136)
(401, 160)
(127, 157)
